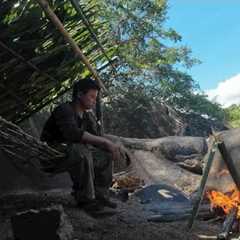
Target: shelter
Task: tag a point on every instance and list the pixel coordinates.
(38, 64)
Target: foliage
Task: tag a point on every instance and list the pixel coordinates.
(127, 113)
(150, 55)
(133, 32)
(233, 115)
(139, 32)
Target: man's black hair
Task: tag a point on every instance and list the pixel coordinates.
(83, 86)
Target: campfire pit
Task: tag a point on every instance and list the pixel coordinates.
(229, 202)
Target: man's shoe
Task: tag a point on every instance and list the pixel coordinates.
(90, 205)
(107, 203)
(95, 209)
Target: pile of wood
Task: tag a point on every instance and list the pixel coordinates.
(25, 151)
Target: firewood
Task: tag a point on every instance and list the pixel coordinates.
(228, 223)
(23, 150)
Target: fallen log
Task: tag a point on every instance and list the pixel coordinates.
(230, 164)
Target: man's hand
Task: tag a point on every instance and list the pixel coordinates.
(102, 142)
(114, 149)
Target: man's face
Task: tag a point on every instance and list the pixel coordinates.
(88, 100)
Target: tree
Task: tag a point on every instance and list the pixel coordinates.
(233, 115)
(150, 55)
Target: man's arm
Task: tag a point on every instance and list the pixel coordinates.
(64, 117)
(102, 142)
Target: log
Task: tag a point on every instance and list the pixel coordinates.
(228, 223)
(229, 162)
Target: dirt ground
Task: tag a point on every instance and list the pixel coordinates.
(130, 222)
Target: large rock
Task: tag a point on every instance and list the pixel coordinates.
(156, 160)
(14, 180)
(159, 120)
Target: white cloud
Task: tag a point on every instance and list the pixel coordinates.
(227, 92)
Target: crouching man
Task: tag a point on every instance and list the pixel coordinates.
(69, 129)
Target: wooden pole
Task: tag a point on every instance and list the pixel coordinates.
(20, 57)
(79, 10)
(99, 115)
(201, 189)
(58, 24)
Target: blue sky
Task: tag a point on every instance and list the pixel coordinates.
(211, 28)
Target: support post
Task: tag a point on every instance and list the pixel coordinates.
(58, 24)
(79, 10)
(200, 193)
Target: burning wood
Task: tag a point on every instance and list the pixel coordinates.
(228, 223)
(230, 204)
(225, 201)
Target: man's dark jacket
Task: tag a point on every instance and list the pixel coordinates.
(65, 125)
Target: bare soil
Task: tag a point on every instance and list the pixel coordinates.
(130, 222)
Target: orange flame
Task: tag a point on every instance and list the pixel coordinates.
(226, 201)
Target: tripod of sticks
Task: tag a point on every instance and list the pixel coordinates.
(232, 216)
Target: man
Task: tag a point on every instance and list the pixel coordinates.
(71, 130)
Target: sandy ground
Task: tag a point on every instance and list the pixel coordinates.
(130, 222)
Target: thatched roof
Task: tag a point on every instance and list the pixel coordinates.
(36, 65)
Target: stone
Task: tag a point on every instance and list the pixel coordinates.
(47, 223)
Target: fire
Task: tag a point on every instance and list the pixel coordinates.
(226, 201)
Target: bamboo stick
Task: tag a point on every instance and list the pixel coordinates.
(14, 53)
(202, 186)
(79, 10)
(58, 24)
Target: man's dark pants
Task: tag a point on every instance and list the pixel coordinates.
(90, 170)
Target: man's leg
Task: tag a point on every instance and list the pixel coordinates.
(78, 163)
(103, 176)
(81, 172)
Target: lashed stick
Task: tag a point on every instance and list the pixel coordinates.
(228, 223)
(58, 24)
(202, 185)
